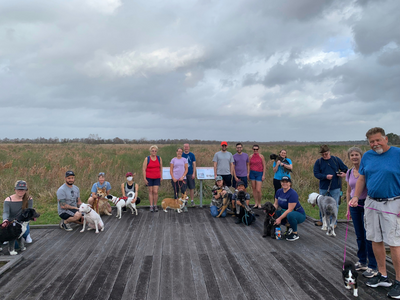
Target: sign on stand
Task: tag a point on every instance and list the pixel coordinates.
(204, 173)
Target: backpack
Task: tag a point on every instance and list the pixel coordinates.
(148, 159)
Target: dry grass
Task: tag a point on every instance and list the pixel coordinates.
(44, 166)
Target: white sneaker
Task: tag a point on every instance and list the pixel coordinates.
(28, 239)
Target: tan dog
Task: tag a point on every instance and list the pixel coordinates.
(225, 203)
(100, 202)
(171, 203)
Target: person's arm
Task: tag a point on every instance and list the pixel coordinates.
(232, 169)
(248, 168)
(64, 205)
(288, 166)
(276, 203)
(184, 173)
(318, 172)
(291, 207)
(123, 190)
(194, 170)
(264, 167)
(6, 210)
(30, 202)
(161, 170)
(348, 199)
(360, 185)
(79, 202)
(215, 169)
(144, 168)
(171, 171)
(276, 167)
(108, 185)
(136, 192)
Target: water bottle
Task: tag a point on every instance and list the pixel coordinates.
(278, 233)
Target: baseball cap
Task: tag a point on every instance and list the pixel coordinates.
(224, 143)
(286, 178)
(101, 174)
(69, 173)
(218, 178)
(323, 149)
(21, 185)
(128, 174)
(239, 183)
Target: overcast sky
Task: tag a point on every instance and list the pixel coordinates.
(301, 70)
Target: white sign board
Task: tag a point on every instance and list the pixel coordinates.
(205, 173)
(165, 173)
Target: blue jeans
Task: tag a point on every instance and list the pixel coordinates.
(24, 236)
(364, 246)
(293, 218)
(335, 194)
(214, 212)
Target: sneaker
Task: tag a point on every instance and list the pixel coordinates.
(185, 209)
(28, 239)
(361, 267)
(395, 291)
(292, 237)
(155, 208)
(151, 208)
(192, 201)
(378, 280)
(288, 231)
(369, 273)
(318, 223)
(66, 227)
(61, 222)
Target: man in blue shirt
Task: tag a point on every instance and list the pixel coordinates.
(380, 173)
(191, 171)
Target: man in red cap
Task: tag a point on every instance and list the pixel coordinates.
(223, 164)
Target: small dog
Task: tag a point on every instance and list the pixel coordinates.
(269, 227)
(327, 207)
(130, 204)
(350, 277)
(100, 202)
(283, 160)
(171, 203)
(91, 217)
(13, 231)
(118, 202)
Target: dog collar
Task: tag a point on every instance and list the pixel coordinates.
(316, 200)
(272, 214)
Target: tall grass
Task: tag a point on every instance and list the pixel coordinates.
(44, 167)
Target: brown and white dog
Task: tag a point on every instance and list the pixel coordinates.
(100, 202)
(171, 203)
(91, 217)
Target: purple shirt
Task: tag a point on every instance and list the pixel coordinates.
(179, 167)
(240, 162)
(352, 183)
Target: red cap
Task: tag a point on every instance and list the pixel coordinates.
(224, 143)
(128, 174)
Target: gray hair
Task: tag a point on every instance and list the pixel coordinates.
(354, 149)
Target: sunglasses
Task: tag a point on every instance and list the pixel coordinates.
(255, 149)
(101, 174)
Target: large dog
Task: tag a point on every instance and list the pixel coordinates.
(270, 218)
(328, 208)
(118, 202)
(171, 203)
(350, 278)
(100, 202)
(91, 217)
(130, 204)
(13, 231)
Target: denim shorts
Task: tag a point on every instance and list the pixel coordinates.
(153, 182)
(254, 175)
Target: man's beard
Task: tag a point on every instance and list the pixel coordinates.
(378, 150)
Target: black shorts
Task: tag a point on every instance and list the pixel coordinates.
(66, 216)
(190, 182)
(227, 179)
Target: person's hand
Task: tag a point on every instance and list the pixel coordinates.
(174, 180)
(353, 202)
(223, 193)
(341, 174)
(263, 178)
(278, 221)
(279, 162)
(181, 179)
(329, 177)
(237, 179)
(146, 181)
(193, 176)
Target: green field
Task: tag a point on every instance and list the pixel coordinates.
(44, 166)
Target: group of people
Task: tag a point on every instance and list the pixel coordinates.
(373, 194)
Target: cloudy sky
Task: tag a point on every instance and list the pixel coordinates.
(301, 70)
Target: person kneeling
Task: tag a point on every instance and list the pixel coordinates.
(221, 195)
(291, 210)
(243, 212)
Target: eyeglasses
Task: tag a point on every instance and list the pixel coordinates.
(153, 150)
(325, 153)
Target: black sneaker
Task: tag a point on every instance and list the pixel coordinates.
(66, 227)
(378, 280)
(292, 237)
(395, 291)
(288, 231)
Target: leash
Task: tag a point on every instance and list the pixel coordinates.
(345, 239)
(382, 211)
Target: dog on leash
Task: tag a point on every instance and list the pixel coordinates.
(328, 208)
(118, 202)
(14, 230)
(91, 217)
(350, 277)
(100, 202)
(171, 203)
(130, 204)
(269, 227)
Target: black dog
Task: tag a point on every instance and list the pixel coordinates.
(13, 231)
(350, 277)
(283, 160)
(269, 227)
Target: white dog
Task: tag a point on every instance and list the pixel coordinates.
(91, 217)
(130, 204)
(328, 208)
(118, 202)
